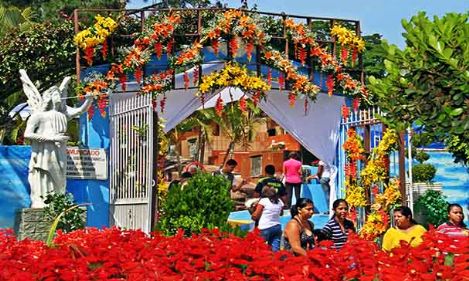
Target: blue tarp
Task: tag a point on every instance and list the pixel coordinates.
(314, 191)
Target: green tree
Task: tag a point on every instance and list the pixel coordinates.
(238, 126)
(373, 56)
(203, 124)
(46, 50)
(426, 83)
(199, 121)
(57, 10)
(13, 18)
(431, 207)
(36, 35)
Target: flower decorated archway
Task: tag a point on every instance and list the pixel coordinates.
(255, 54)
(236, 29)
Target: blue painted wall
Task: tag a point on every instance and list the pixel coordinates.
(15, 190)
(14, 186)
(94, 133)
(454, 177)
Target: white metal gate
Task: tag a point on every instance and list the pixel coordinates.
(357, 119)
(131, 161)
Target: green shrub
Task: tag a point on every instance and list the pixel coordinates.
(421, 156)
(432, 207)
(204, 202)
(423, 173)
(72, 219)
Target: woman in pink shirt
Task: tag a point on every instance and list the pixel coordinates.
(455, 226)
(292, 174)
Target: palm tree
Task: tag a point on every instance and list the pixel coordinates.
(12, 19)
(238, 126)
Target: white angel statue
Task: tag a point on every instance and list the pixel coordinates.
(46, 129)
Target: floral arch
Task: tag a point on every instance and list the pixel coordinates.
(291, 69)
(255, 52)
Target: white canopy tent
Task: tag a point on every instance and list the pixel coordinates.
(317, 129)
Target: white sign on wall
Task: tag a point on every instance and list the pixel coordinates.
(86, 163)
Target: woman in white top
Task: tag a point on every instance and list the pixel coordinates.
(268, 212)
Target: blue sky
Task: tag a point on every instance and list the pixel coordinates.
(375, 16)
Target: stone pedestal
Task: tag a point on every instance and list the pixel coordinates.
(31, 223)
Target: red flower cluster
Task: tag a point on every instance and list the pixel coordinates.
(243, 104)
(345, 112)
(158, 83)
(186, 80)
(89, 54)
(115, 254)
(219, 106)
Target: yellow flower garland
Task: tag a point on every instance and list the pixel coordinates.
(348, 38)
(354, 194)
(232, 75)
(96, 34)
(390, 196)
(376, 224)
(376, 170)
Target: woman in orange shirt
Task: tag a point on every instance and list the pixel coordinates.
(406, 229)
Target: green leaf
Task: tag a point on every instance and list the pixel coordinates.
(447, 53)
(456, 111)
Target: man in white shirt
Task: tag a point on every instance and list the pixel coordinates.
(324, 177)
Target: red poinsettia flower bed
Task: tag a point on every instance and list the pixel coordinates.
(114, 254)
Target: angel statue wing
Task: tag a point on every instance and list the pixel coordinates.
(34, 97)
(64, 87)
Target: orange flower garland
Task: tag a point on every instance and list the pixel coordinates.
(353, 146)
(135, 60)
(299, 83)
(189, 56)
(304, 38)
(97, 86)
(237, 25)
(158, 83)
